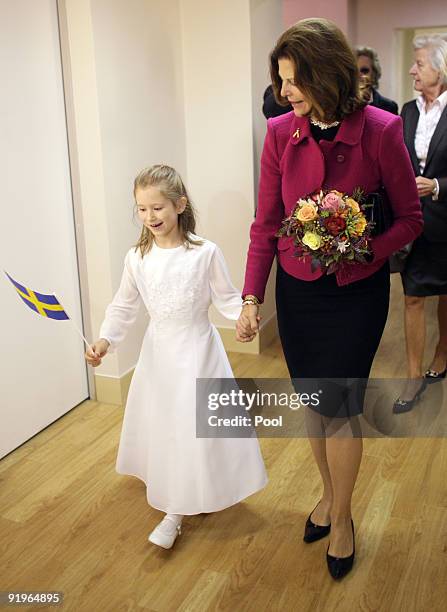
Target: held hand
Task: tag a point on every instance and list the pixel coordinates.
(94, 355)
(425, 186)
(241, 334)
(247, 325)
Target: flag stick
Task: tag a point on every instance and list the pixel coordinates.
(74, 324)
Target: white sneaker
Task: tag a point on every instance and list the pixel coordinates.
(165, 533)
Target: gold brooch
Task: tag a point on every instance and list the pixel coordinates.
(297, 133)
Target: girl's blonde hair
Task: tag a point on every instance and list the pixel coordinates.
(171, 186)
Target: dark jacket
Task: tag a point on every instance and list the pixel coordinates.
(271, 108)
(435, 212)
(384, 103)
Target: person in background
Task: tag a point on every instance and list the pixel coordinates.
(270, 107)
(425, 273)
(370, 69)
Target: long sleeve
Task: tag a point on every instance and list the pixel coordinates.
(224, 295)
(442, 181)
(268, 219)
(398, 180)
(123, 310)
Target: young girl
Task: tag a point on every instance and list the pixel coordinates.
(176, 275)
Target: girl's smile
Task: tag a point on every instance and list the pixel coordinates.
(160, 215)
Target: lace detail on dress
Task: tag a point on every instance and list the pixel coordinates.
(172, 300)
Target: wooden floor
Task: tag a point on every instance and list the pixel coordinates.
(69, 523)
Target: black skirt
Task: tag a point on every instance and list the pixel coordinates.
(329, 332)
(425, 270)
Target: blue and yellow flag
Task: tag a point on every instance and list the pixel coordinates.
(45, 305)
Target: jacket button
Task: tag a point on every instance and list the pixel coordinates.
(340, 158)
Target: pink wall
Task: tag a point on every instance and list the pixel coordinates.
(335, 10)
(373, 23)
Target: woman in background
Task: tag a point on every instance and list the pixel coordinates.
(425, 273)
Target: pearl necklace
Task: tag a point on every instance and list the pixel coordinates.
(322, 125)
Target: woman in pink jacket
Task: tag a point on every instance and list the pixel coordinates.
(330, 325)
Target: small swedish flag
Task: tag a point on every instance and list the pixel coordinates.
(42, 303)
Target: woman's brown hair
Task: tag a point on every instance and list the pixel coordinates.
(325, 68)
(171, 186)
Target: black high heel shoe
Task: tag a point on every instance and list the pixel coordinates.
(340, 566)
(401, 405)
(432, 376)
(313, 532)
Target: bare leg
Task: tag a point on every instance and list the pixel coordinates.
(415, 341)
(440, 358)
(344, 455)
(415, 334)
(317, 438)
(322, 513)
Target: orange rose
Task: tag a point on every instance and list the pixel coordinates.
(307, 212)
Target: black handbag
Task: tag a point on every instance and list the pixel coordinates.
(378, 210)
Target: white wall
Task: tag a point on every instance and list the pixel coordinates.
(86, 161)
(137, 47)
(266, 25)
(218, 120)
(140, 101)
(128, 103)
(173, 82)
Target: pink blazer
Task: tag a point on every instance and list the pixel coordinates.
(368, 152)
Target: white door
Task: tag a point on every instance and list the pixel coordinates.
(42, 370)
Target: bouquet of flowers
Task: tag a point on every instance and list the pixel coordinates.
(331, 227)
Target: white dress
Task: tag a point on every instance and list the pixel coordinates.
(183, 474)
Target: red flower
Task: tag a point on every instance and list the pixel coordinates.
(335, 225)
